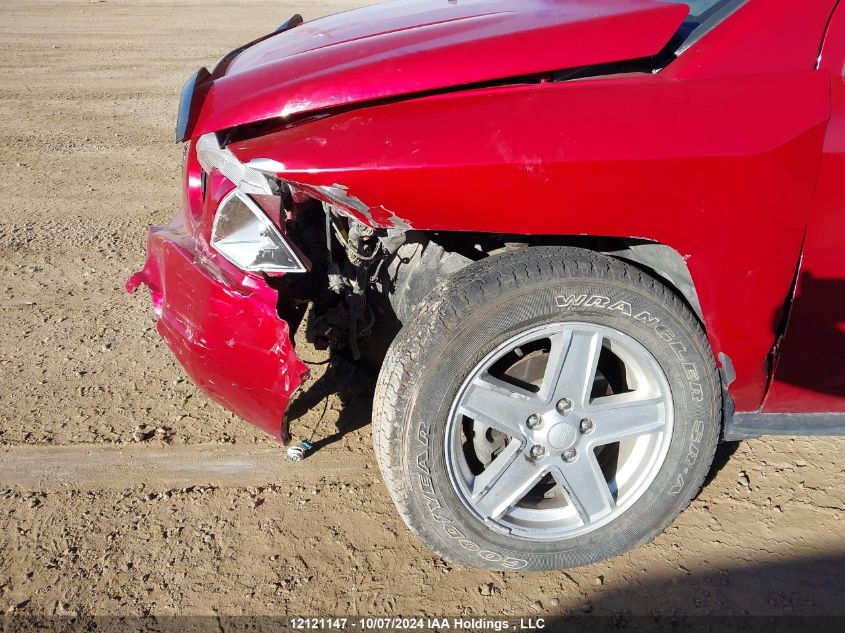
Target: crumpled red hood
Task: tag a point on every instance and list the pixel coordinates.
(412, 46)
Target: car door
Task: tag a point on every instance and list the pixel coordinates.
(810, 372)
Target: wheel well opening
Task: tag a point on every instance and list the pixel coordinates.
(658, 260)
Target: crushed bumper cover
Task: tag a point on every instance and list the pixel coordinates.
(223, 328)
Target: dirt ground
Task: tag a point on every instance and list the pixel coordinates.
(124, 490)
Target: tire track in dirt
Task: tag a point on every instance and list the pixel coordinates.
(96, 467)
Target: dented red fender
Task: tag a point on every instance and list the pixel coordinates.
(728, 193)
(400, 48)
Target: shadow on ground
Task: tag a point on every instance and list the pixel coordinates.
(784, 594)
(346, 388)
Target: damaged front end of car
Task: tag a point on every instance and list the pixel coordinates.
(266, 229)
(209, 275)
(231, 278)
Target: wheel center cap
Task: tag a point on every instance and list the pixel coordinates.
(562, 436)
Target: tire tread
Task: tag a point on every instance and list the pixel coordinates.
(442, 313)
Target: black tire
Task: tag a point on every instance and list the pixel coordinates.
(502, 295)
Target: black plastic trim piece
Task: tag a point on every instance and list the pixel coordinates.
(727, 370)
(189, 102)
(746, 426)
(193, 92)
(293, 21)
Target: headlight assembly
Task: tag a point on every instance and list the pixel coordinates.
(244, 235)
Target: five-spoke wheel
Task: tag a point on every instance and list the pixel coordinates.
(559, 429)
(546, 408)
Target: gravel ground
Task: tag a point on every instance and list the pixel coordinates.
(124, 491)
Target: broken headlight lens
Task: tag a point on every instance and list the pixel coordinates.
(244, 235)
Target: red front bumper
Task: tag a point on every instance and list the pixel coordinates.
(223, 328)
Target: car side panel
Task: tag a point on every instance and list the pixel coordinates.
(721, 170)
(760, 37)
(810, 373)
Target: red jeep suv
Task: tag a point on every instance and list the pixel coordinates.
(586, 240)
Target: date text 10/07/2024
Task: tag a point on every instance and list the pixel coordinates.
(416, 624)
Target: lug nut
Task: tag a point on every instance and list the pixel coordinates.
(569, 455)
(564, 406)
(537, 451)
(586, 425)
(534, 421)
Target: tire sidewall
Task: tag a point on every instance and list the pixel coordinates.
(671, 341)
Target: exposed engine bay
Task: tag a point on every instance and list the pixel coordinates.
(363, 283)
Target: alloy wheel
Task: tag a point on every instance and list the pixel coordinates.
(559, 430)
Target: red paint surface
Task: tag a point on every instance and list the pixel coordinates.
(810, 374)
(405, 47)
(772, 36)
(710, 168)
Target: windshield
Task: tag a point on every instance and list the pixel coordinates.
(703, 16)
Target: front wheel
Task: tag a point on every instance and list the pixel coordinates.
(546, 408)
